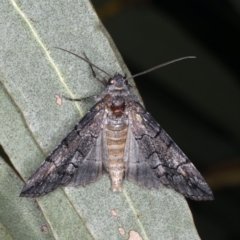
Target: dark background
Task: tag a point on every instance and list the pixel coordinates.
(197, 100)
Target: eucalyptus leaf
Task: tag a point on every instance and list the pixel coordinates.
(21, 218)
(4, 234)
(32, 72)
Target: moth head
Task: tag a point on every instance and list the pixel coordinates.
(118, 81)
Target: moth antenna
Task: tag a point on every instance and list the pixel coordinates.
(93, 72)
(84, 60)
(159, 66)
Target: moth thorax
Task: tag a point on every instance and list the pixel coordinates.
(116, 140)
(118, 107)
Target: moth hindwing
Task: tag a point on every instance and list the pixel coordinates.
(120, 137)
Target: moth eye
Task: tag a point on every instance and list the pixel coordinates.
(126, 82)
(111, 81)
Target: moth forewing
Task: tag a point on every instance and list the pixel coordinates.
(170, 165)
(120, 137)
(70, 155)
(137, 169)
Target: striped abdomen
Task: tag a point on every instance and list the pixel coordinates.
(116, 139)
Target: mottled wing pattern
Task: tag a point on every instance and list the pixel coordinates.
(137, 169)
(76, 160)
(159, 153)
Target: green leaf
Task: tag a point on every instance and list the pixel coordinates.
(20, 218)
(32, 71)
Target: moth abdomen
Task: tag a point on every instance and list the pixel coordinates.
(116, 139)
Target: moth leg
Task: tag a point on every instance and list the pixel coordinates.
(93, 72)
(78, 99)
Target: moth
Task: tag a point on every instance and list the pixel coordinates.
(119, 137)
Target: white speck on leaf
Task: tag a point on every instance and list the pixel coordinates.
(58, 99)
(133, 235)
(121, 231)
(115, 214)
